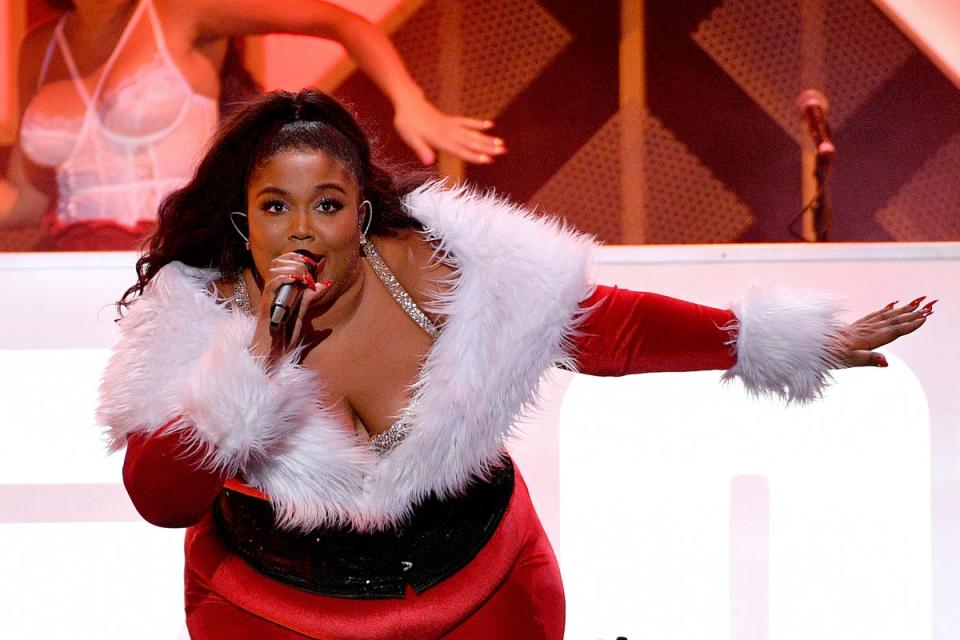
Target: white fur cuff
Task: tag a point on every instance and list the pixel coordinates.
(785, 343)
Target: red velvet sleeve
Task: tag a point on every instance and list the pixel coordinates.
(631, 332)
(163, 476)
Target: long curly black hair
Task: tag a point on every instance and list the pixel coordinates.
(194, 225)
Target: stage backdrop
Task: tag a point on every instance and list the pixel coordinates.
(656, 121)
(679, 508)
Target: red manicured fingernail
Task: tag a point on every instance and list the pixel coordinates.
(929, 305)
(881, 361)
(917, 301)
(308, 259)
(891, 305)
(310, 282)
(327, 283)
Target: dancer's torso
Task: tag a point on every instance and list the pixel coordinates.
(122, 133)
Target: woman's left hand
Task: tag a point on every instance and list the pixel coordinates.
(879, 328)
(425, 129)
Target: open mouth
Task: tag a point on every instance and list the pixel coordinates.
(315, 258)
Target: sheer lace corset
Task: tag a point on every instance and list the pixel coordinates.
(121, 146)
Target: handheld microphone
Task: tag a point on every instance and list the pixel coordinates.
(288, 297)
(813, 107)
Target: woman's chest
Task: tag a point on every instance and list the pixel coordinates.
(368, 367)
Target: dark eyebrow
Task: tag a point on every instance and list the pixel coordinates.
(320, 187)
(330, 185)
(276, 190)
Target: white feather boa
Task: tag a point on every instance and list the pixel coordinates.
(513, 306)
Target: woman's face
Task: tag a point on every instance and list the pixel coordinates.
(305, 199)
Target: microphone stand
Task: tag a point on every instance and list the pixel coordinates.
(820, 209)
(813, 107)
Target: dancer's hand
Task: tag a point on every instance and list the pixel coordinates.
(879, 328)
(425, 129)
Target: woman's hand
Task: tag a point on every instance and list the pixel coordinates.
(879, 328)
(285, 269)
(425, 128)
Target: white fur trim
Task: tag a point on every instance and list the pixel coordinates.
(785, 343)
(183, 355)
(513, 306)
(163, 336)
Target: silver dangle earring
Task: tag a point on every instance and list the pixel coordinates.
(233, 221)
(366, 227)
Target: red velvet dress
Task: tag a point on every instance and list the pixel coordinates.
(511, 588)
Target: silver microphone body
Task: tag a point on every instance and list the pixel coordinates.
(288, 297)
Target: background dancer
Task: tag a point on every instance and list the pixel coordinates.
(120, 97)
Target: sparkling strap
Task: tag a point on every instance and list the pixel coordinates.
(385, 442)
(396, 290)
(240, 296)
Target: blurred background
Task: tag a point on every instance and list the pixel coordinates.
(656, 121)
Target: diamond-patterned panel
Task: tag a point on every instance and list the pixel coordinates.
(862, 49)
(586, 189)
(928, 205)
(418, 39)
(506, 44)
(685, 202)
(759, 44)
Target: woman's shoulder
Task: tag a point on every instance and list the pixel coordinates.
(417, 264)
(33, 51)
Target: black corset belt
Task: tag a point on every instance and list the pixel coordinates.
(439, 539)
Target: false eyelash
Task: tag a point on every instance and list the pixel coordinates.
(269, 204)
(336, 203)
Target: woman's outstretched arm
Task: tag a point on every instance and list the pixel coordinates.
(628, 332)
(422, 126)
(777, 342)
